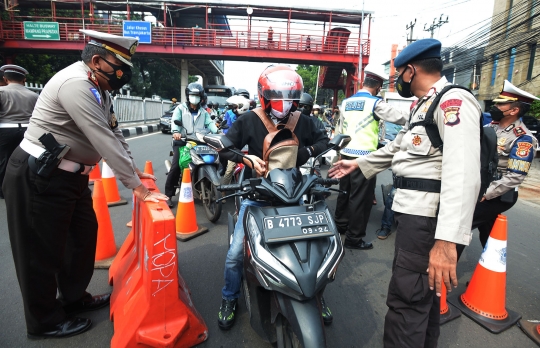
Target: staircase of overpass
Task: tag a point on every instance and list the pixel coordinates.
(199, 36)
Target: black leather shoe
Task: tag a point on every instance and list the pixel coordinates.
(363, 245)
(88, 304)
(67, 328)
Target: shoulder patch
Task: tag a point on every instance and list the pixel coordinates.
(519, 131)
(97, 95)
(521, 155)
(451, 111)
(93, 78)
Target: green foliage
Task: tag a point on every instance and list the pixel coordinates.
(42, 67)
(535, 109)
(309, 76)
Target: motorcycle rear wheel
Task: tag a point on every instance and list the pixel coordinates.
(211, 208)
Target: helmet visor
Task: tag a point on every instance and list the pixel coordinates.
(287, 94)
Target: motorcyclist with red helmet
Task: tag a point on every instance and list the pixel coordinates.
(279, 89)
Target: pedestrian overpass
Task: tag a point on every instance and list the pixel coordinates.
(196, 36)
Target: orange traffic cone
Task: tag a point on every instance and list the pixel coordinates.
(94, 175)
(485, 297)
(186, 220)
(148, 169)
(110, 186)
(531, 329)
(448, 313)
(106, 246)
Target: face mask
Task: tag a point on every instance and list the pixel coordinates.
(280, 108)
(404, 88)
(194, 99)
(496, 114)
(119, 77)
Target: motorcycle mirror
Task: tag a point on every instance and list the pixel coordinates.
(340, 141)
(224, 122)
(218, 141)
(213, 117)
(178, 123)
(225, 126)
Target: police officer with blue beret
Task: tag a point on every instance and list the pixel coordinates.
(435, 197)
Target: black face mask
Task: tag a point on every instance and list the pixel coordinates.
(496, 114)
(404, 88)
(119, 77)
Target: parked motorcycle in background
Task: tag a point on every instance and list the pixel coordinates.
(291, 251)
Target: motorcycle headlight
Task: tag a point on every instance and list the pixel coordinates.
(264, 255)
(195, 159)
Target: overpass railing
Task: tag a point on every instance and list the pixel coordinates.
(181, 37)
(136, 109)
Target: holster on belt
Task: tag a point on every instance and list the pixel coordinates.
(50, 158)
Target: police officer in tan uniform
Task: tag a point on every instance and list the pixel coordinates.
(16, 106)
(435, 197)
(51, 221)
(516, 147)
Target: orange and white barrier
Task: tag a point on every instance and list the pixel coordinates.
(110, 186)
(448, 313)
(485, 298)
(106, 245)
(150, 302)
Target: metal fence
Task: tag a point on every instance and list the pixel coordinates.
(136, 109)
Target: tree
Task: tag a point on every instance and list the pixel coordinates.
(535, 109)
(309, 76)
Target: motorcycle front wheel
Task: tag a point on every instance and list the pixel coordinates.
(286, 338)
(211, 208)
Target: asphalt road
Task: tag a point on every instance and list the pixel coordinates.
(356, 298)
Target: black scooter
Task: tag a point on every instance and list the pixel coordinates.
(291, 251)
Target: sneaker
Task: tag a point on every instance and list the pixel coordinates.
(326, 313)
(383, 233)
(226, 314)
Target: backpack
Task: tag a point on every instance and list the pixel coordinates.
(489, 157)
(280, 146)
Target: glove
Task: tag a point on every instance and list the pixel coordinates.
(303, 156)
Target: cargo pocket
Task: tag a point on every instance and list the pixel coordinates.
(410, 279)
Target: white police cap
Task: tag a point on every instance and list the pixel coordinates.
(120, 46)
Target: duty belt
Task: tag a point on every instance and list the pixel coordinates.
(67, 165)
(426, 185)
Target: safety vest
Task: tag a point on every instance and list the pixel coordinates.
(359, 123)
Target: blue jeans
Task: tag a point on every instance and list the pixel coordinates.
(235, 255)
(388, 214)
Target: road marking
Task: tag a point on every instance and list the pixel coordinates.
(142, 136)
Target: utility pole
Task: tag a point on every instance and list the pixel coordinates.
(435, 25)
(411, 27)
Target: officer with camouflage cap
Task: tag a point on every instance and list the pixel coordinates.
(51, 221)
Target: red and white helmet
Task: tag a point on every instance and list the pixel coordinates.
(280, 82)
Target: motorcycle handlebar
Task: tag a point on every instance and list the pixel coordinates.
(327, 181)
(231, 187)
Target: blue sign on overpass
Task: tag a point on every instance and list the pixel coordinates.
(140, 30)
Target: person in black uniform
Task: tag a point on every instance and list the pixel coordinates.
(51, 221)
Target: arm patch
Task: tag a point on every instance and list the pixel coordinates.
(521, 155)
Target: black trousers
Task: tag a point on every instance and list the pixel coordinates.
(413, 313)
(10, 138)
(174, 174)
(53, 233)
(485, 214)
(354, 207)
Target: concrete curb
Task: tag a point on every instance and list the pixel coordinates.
(140, 130)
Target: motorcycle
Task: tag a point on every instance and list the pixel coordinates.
(291, 251)
(204, 173)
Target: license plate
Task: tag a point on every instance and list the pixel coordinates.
(297, 226)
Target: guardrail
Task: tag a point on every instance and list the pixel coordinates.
(136, 109)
